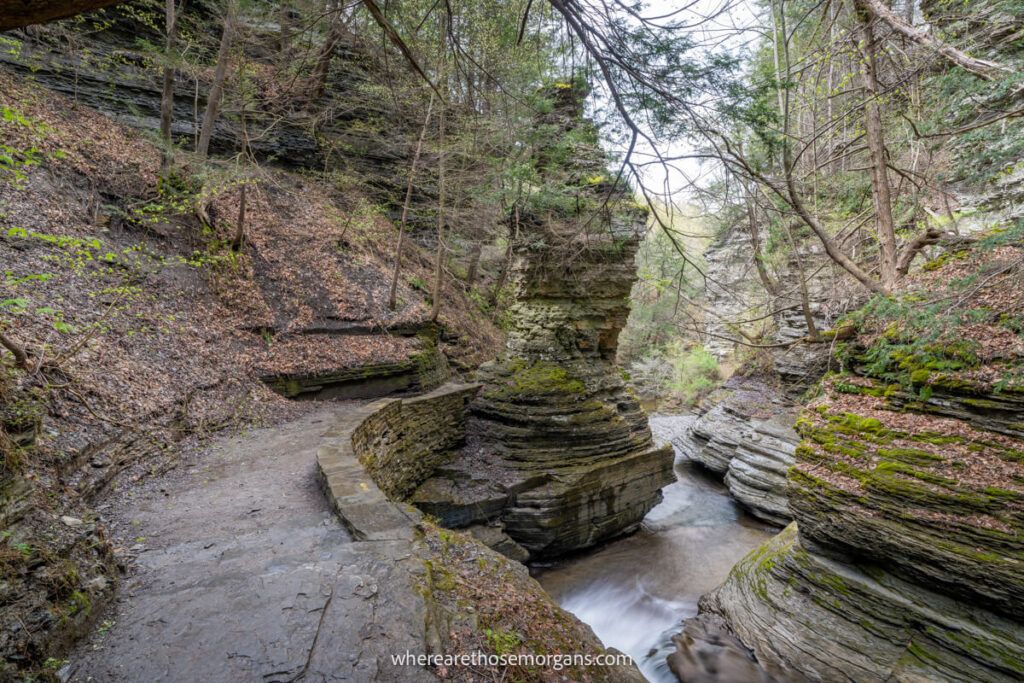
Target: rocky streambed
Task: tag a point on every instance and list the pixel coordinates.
(635, 592)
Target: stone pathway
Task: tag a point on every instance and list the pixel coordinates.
(244, 574)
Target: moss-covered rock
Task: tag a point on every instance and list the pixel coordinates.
(811, 618)
(557, 439)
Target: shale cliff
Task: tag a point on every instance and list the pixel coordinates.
(903, 468)
(905, 559)
(151, 333)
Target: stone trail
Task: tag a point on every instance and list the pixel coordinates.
(246, 575)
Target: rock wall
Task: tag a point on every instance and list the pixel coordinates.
(735, 292)
(442, 587)
(423, 370)
(808, 617)
(905, 562)
(111, 74)
(402, 441)
(55, 569)
(745, 435)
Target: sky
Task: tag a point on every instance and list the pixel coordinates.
(732, 29)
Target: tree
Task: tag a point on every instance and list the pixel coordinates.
(167, 92)
(323, 62)
(880, 190)
(979, 67)
(16, 350)
(392, 295)
(213, 99)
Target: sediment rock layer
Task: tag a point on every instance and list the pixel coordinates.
(811, 618)
(560, 453)
(746, 435)
(906, 561)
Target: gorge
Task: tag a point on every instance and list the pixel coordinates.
(556, 341)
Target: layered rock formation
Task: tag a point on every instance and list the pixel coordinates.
(745, 434)
(809, 617)
(560, 453)
(114, 76)
(736, 292)
(906, 561)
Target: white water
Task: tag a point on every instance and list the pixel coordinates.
(635, 592)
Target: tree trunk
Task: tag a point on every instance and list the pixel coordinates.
(755, 244)
(805, 298)
(506, 264)
(167, 94)
(405, 207)
(880, 189)
(284, 38)
(239, 240)
(474, 264)
(793, 195)
(979, 67)
(929, 236)
(17, 350)
(435, 309)
(219, 75)
(20, 13)
(323, 62)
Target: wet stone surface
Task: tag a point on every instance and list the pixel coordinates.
(242, 573)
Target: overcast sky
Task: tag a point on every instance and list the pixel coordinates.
(731, 29)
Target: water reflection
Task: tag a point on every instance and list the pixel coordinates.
(636, 591)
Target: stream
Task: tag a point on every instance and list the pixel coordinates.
(635, 592)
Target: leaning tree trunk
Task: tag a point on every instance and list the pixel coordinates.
(474, 264)
(982, 68)
(323, 62)
(792, 191)
(393, 294)
(755, 245)
(217, 88)
(239, 239)
(19, 13)
(16, 349)
(435, 308)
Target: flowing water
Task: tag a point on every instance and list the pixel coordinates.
(636, 591)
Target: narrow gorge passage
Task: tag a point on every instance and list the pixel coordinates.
(635, 592)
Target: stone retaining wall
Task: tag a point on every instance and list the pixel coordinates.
(401, 442)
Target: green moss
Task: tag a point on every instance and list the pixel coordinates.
(438, 577)
(914, 456)
(535, 379)
(934, 438)
(79, 602)
(943, 259)
(920, 376)
(917, 651)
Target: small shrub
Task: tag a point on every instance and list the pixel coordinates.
(695, 372)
